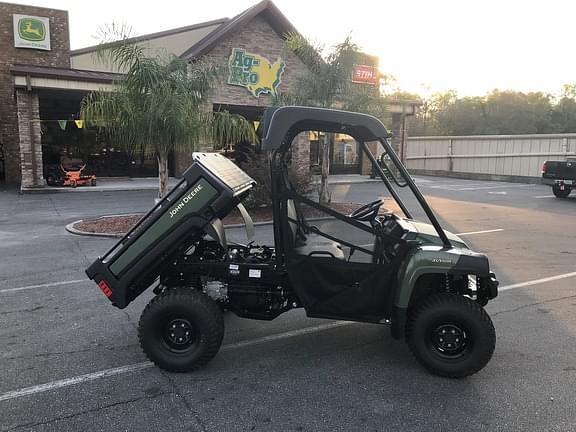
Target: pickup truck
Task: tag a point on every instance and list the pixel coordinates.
(561, 175)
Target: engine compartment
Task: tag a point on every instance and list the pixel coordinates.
(241, 278)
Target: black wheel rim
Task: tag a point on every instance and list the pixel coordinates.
(179, 335)
(450, 340)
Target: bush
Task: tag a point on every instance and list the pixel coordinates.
(257, 166)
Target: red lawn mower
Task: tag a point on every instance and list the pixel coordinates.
(71, 174)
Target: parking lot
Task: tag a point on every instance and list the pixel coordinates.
(70, 361)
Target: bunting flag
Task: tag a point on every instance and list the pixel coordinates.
(62, 124)
(79, 123)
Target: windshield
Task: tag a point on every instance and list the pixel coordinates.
(406, 199)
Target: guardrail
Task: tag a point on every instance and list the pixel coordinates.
(487, 156)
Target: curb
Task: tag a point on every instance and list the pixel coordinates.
(70, 227)
(56, 190)
(478, 176)
(84, 189)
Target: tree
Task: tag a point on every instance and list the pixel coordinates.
(499, 112)
(327, 85)
(510, 112)
(160, 106)
(465, 116)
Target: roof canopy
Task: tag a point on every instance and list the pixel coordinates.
(281, 125)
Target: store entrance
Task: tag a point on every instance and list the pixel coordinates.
(64, 136)
(344, 155)
(240, 151)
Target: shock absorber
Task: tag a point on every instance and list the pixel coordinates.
(447, 283)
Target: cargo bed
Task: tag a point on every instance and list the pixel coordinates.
(210, 189)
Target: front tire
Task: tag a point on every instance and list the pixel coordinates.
(450, 335)
(561, 193)
(181, 330)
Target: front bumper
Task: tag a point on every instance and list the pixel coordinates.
(492, 286)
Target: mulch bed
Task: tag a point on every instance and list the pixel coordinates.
(121, 224)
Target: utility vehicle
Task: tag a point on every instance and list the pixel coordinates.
(366, 266)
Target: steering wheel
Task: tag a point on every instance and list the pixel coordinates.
(367, 212)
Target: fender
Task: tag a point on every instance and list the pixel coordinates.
(429, 260)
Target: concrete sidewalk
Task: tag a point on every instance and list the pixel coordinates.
(105, 185)
(151, 183)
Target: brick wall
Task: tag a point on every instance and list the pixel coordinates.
(30, 138)
(59, 56)
(259, 38)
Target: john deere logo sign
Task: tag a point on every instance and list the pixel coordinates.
(31, 29)
(254, 72)
(31, 32)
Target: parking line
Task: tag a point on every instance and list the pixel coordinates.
(537, 281)
(72, 381)
(489, 187)
(480, 232)
(544, 196)
(46, 285)
(51, 284)
(54, 385)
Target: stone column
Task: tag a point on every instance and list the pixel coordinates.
(366, 167)
(30, 139)
(396, 140)
(301, 155)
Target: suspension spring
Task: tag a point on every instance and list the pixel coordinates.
(447, 284)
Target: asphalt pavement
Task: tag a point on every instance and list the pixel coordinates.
(70, 361)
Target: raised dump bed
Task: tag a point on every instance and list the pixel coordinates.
(210, 189)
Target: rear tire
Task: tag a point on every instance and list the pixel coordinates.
(561, 193)
(450, 335)
(181, 330)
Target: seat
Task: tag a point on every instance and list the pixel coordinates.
(311, 245)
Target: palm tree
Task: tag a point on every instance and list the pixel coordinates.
(326, 85)
(160, 105)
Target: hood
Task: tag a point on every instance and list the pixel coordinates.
(426, 234)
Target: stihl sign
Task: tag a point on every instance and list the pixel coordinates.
(365, 74)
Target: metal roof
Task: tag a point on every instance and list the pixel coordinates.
(64, 73)
(271, 13)
(156, 35)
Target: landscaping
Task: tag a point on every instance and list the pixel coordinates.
(116, 225)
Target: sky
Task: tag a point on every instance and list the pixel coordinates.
(469, 46)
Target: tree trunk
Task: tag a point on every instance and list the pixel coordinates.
(324, 193)
(162, 175)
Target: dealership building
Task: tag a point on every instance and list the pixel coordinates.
(42, 83)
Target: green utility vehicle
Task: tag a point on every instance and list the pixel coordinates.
(368, 266)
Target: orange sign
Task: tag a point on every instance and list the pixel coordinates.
(365, 74)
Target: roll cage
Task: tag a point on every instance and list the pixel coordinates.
(282, 125)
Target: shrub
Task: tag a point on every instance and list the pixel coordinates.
(257, 166)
